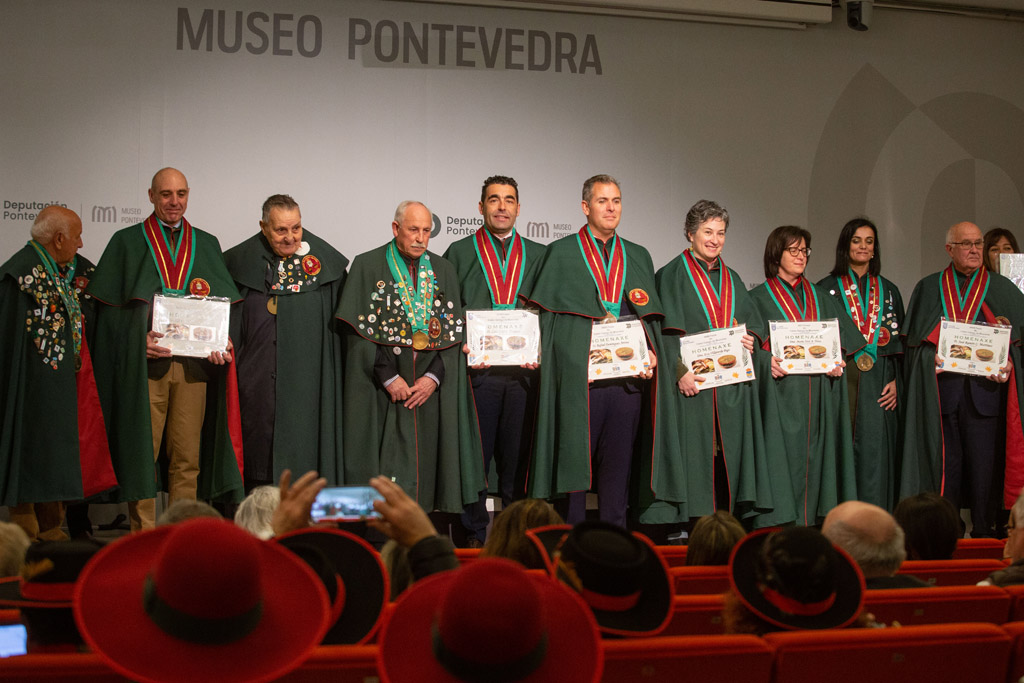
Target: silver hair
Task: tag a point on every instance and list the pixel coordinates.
(602, 178)
(403, 206)
(1018, 509)
(185, 509)
(874, 559)
(278, 201)
(48, 224)
(254, 513)
(13, 544)
(703, 211)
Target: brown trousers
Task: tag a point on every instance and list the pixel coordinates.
(41, 521)
(177, 404)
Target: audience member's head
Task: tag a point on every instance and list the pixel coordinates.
(353, 575)
(13, 544)
(1015, 537)
(931, 526)
(255, 512)
(43, 593)
(791, 579)
(713, 538)
(201, 600)
(869, 534)
(489, 621)
(508, 532)
(184, 509)
(396, 561)
(620, 575)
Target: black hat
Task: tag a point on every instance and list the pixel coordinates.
(49, 574)
(353, 574)
(620, 575)
(796, 579)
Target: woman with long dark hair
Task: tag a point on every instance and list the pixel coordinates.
(874, 374)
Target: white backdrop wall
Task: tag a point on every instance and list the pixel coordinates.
(917, 123)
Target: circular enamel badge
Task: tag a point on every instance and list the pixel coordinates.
(639, 297)
(883, 336)
(434, 327)
(310, 264)
(199, 287)
(80, 283)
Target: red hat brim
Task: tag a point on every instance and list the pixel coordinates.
(111, 617)
(574, 653)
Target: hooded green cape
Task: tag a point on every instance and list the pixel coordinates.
(877, 433)
(307, 388)
(125, 281)
(808, 416)
(690, 483)
(569, 301)
(923, 450)
(433, 451)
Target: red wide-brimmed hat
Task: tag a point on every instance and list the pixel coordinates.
(490, 621)
(353, 574)
(796, 579)
(201, 600)
(48, 577)
(620, 575)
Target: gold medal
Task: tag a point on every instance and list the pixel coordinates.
(419, 340)
(434, 327)
(272, 305)
(608, 318)
(864, 363)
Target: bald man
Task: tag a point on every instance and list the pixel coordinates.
(959, 426)
(157, 404)
(874, 540)
(47, 456)
(408, 414)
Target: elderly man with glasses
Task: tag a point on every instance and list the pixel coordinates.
(959, 426)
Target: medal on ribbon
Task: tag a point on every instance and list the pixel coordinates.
(174, 265)
(503, 276)
(609, 278)
(866, 315)
(965, 308)
(416, 297)
(718, 302)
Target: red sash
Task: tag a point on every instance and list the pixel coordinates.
(503, 281)
(174, 268)
(963, 309)
(788, 305)
(609, 285)
(718, 305)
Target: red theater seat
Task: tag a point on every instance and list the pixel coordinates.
(951, 572)
(10, 616)
(705, 580)
(714, 659)
(1015, 629)
(338, 664)
(939, 652)
(1016, 594)
(695, 615)
(465, 555)
(87, 668)
(979, 549)
(675, 555)
(938, 605)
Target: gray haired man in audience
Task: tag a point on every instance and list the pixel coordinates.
(874, 540)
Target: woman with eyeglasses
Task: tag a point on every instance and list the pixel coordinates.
(874, 375)
(809, 414)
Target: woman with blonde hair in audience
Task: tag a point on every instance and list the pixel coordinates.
(255, 512)
(713, 538)
(508, 531)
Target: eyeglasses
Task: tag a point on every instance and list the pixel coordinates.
(796, 251)
(976, 244)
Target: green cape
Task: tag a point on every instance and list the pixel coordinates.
(922, 468)
(690, 481)
(307, 413)
(561, 459)
(877, 433)
(809, 417)
(41, 456)
(124, 284)
(433, 451)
